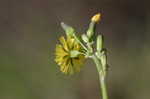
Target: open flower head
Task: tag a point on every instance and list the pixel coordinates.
(68, 55)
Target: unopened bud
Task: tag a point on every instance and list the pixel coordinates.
(96, 18)
(99, 42)
(68, 29)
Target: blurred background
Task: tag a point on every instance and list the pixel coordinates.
(29, 30)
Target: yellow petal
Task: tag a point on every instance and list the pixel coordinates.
(70, 42)
(60, 51)
(63, 42)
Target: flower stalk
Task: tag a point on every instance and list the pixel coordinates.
(102, 77)
(103, 88)
(74, 50)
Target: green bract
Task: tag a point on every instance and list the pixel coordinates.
(68, 29)
(74, 53)
(99, 43)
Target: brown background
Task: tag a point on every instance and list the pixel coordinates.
(29, 30)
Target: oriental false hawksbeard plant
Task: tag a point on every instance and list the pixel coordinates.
(73, 50)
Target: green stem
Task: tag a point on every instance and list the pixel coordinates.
(103, 88)
(101, 76)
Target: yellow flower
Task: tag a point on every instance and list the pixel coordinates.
(96, 18)
(68, 55)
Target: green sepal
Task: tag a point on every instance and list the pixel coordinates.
(74, 53)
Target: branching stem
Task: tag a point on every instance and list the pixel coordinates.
(101, 73)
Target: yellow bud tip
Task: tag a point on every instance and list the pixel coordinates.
(96, 18)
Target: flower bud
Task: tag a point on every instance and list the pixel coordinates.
(96, 18)
(90, 31)
(85, 38)
(68, 29)
(99, 42)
